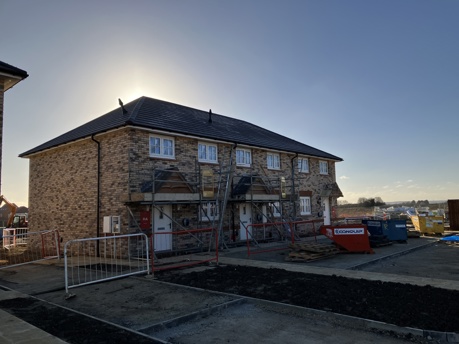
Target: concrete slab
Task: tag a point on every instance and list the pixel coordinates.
(340, 261)
(35, 278)
(263, 322)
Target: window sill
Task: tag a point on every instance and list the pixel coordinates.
(162, 157)
(208, 162)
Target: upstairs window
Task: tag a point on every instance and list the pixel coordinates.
(209, 211)
(162, 147)
(273, 160)
(305, 205)
(323, 166)
(207, 152)
(243, 157)
(303, 165)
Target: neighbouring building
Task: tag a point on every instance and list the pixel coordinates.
(9, 76)
(165, 167)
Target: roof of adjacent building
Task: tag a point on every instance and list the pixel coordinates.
(11, 75)
(160, 115)
(9, 69)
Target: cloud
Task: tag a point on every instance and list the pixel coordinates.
(344, 177)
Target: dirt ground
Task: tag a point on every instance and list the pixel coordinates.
(395, 303)
(145, 309)
(71, 326)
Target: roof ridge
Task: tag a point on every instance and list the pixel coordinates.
(135, 111)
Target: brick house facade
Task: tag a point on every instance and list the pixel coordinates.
(162, 166)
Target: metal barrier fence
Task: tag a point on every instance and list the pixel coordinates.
(189, 256)
(259, 231)
(22, 247)
(92, 260)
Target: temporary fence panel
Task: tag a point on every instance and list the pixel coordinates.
(19, 246)
(193, 246)
(92, 260)
(260, 231)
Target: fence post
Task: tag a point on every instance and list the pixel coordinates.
(152, 254)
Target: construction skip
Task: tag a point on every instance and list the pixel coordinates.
(428, 224)
(352, 238)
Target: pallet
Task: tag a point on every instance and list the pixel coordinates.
(306, 252)
(313, 247)
(307, 257)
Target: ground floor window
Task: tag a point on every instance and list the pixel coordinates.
(305, 205)
(209, 211)
(275, 209)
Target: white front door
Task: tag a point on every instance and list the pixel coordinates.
(163, 227)
(245, 216)
(326, 210)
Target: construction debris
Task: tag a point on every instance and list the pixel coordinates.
(306, 252)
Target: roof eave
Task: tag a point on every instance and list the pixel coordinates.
(32, 152)
(10, 80)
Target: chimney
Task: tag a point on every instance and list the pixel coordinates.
(122, 106)
(210, 116)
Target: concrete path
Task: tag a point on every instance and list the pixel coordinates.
(16, 331)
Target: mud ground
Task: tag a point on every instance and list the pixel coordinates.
(395, 303)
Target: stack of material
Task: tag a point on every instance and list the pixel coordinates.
(451, 240)
(306, 252)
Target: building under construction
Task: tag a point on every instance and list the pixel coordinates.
(163, 168)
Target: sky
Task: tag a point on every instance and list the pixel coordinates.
(375, 83)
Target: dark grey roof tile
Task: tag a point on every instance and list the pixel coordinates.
(161, 115)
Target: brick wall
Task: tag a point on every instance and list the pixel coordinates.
(63, 186)
(63, 182)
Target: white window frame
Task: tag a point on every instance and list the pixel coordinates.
(203, 211)
(243, 157)
(275, 208)
(205, 152)
(305, 205)
(303, 165)
(323, 167)
(164, 150)
(273, 161)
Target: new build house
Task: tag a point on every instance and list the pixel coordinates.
(155, 166)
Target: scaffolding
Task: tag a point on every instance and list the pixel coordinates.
(208, 196)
